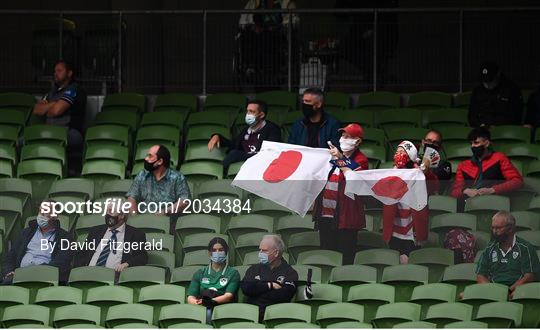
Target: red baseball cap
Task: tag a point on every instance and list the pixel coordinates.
(353, 130)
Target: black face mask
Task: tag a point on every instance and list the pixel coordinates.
(111, 221)
(478, 152)
(149, 166)
(499, 238)
(308, 110)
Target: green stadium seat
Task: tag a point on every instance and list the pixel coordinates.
(83, 326)
(181, 313)
(229, 102)
(389, 315)
(107, 134)
(247, 243)
(375, 155)
(279, 100)
(103, 170)
(436, 259)
(445, 118)
(534, 205)
(510, 134)
(415, 325)
(234, 312)
(523, 152)
(72, 187)
(405, 278)
(394, 118)
(533, 169)
(11, 210)
(128, 313)
(180, 102)
(528, 295)
(13, 118)
(162, 259)
(202, 133)
(8, 154)
(158, 134)
(76, 315)
(161, 295)
(296, 325)
(118, 118)
(321, 294)
(135, 326)
(531, 236)
(9, 135)
(377, 258)
(35, 278)
(243, 325)
(466, 325)
(325, 259)
(86, 222)
(25, 314)
(350, 325)
(462, 100)
(58, 296)
(443, 223)
(458, 152)
(88, 277)
(336, 100)
(140, 276)
(195, 242)
(195, 258)
(430, 100)
(192, 325)
(200, 152)
(350, 275)
(333, 313)
(6, 169)
(107, 152)
(302, 271)
(432, 294)
(18, 101)
(267, 207)
(478, 294)
(537, 137)
(374, 136)
(249, 223)
(45, 134)
(484, 207)
(286, 312)
(218, 187)
(197, 224)
(453, 134)
(526, 220)
(445, 313)
(293, 224)
(105, 297)
(304, 241)
(114, 188)
(500, 314)
(440, 204)
(44, 151)
(397, 134)
(124, 101)
(182, 276)
(200, 171)
(166, 118)
(370, 240)
(41, 172)
(11, 295)
(359, 116)
(460, 276)
(371, 296)
(166, 240)
(378, 100)
(219, 119)
(151, 223)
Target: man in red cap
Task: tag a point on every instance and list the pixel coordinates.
(337, 216)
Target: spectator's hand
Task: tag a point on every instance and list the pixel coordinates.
(276, 286)
(214, 141)
(470, 192)
(120, 268)
(334, 151)
(486, 191)
(528, 126)
(9, 274)
(43, 102)
(460, 296)
(198, 302)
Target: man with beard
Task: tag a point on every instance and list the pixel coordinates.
(443, 171)
(65, 106)
(508, 259)
(317, 127)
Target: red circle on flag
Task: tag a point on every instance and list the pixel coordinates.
(391, 187)
(282, 167)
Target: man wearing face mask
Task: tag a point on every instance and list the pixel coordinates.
(272, 281)
(443, 171)
(158, 183)
(249, 141)
(496, 101)
(105, 243)
(508, 259)
(27, 249)
(337, 216)
(487, 172)
(317, 127)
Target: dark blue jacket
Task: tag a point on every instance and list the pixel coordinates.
(59, 258)
(328, 131)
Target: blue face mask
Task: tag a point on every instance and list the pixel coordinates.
(250, 119)
(263, 258)
(42, 221)
(219, 257)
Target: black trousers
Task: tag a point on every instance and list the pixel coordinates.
(340, 240)
(404, 246)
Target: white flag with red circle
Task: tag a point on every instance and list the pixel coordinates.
(287, 174)
(390, 186)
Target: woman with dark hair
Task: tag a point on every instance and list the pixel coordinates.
(216, 283)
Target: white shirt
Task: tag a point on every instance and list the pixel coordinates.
(114, 259)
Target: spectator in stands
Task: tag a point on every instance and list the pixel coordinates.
(158, 183)
(443, 171)
(65, 106)
(487, 172)
(532, 118)
(272, 281)
(405, 229)
(249, 141)
(216, 283)
(317, 127)
(27, 249)
(106, 243)
(497, 101)
(508, 259)
(337, 216)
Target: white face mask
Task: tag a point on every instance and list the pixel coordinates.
(347, 145)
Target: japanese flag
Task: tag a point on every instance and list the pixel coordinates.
(287, 174)
(390, 186)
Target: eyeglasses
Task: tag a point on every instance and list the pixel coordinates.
(434, 142)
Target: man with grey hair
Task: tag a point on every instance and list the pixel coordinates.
(317, 127)
(105, 243)
(508, 259)
(272, 281)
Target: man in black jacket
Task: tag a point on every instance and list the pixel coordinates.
(497, 101)
(115, 244)
(249, 141)
(443, 171)
(272, 281)
(40, 244)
